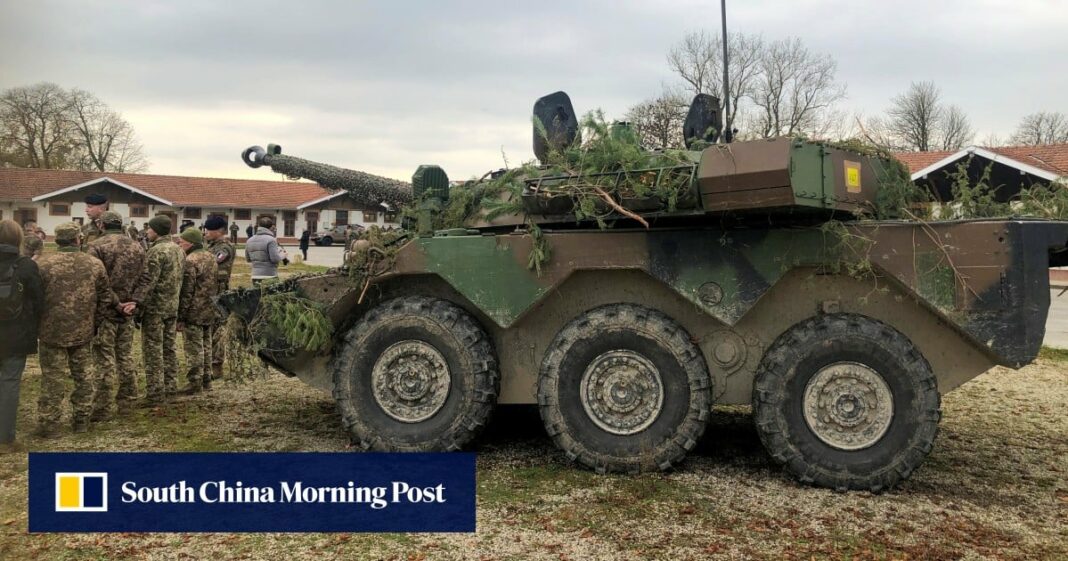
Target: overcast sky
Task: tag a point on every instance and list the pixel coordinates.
(386, 86)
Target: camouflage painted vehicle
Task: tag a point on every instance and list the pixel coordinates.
(842, 339)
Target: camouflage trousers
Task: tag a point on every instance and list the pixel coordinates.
(197, 354)
(114, 359)
(56, 362)
(219, 334)
(159, 348)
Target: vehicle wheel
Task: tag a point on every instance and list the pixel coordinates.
(846, 402)
(415, 374)
(624, 389)
(327, 241)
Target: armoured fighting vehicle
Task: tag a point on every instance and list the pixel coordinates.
(753, 285)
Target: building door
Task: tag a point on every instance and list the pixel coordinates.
(289, 223)
(24, 215)
(313, 221)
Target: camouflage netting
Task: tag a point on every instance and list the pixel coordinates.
(364, 188)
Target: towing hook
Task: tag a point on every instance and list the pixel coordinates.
(253, 156)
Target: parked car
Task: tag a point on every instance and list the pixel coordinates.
(334, 234)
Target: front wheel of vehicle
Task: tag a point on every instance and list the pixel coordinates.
(415, 374)
(846, 402)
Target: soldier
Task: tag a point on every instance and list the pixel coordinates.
(156, 299)
(95, 205)
(133, 232)
(233, 232)
(32, 245)
(123, 259)
(71, 279)
(224, 252)
(196, 309)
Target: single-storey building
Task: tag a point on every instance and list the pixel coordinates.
(51, 197)
(1012, 168)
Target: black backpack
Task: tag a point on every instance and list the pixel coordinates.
(12, 293)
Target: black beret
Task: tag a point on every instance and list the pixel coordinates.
(215, 223)
(96, 199)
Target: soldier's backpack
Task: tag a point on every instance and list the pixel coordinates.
(11, 292)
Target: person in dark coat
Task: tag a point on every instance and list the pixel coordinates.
(305, 238)
(249, 231)
(18, 333)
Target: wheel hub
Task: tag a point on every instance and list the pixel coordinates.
(622, 392)
(848, 406)
(410, 381)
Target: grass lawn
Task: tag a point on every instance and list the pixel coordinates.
(995, 486)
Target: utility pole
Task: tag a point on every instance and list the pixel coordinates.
(728, 134)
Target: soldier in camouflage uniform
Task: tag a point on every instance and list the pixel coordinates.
(71, 280)
(156, 300)
(95, 205)
(196, 309)
(32, 246)
(224, 252)
(123, 259)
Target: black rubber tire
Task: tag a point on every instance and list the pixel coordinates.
(326, 242)
(798, 354)
(465, 346)
(684, 375)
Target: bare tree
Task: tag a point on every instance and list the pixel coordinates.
(1042, 128)
(793, 89)
(659, 121)
(697, 59)
(45, 126)
(107, 141)
(955, 129)
(34, 126)
(914, 116)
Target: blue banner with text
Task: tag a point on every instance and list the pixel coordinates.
(251, 492)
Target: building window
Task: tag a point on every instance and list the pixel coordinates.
(370, 216)
(341, 217)
(289, 215)
(191, 212)
(242, 214)
(138, 211)
(58, 209)
(391, 217)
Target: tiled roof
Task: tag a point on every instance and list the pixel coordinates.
(1049, 157)
(24, 184)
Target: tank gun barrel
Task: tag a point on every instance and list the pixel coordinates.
(364, 188)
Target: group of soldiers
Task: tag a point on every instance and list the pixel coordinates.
(101, 284)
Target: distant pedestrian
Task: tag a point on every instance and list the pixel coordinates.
(133, 232)
(248, 232)
(224, 253)
(305, 239)
(21, 305)
(233, 232)
(77, 295)
(32, 245)
(196, 309)
(95, 205)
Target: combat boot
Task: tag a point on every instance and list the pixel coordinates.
(101, 415)
(46, 431)
(216, 371)
(207, 383)
(192, 389)
(81, 427)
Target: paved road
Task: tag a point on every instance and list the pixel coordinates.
(1056, 324)
(326, 256)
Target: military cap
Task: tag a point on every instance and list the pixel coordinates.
(111, 219)
(192, 235)
(215, 223)
(96, 199)
(68, 232)
(161, 224)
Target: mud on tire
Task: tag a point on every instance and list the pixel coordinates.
(415, 374)
(817, 406)
(599, 397)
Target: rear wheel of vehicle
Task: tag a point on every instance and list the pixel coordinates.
(415, 374)
(624, 389)
(846, 402)
(327, 241)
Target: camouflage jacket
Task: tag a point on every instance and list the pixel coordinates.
(91, 232)
(77, 296)
(199, 287)
(123, 259)
(161, 280)
(224, 253)
(32, 246)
